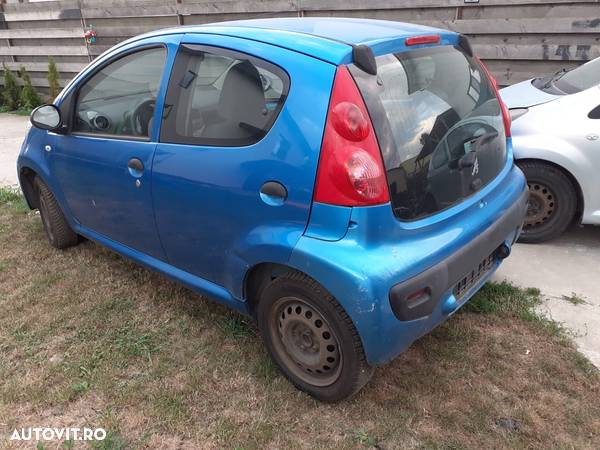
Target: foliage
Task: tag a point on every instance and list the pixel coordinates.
(53, 76)
(505, 300)
(11, 92)
(9, 195)
(29, 97)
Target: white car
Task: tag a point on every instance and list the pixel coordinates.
(556, 141)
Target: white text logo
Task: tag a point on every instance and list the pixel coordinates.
(52, 434)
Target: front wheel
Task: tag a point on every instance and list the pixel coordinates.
(311, 338)
(58, 231)
(552, 202)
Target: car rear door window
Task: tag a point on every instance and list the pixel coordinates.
(219, 97)
(119, 99)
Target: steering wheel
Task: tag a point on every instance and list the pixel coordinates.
(141, 116)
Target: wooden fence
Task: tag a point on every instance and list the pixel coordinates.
(517, 38)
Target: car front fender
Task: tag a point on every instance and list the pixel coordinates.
(560, 152)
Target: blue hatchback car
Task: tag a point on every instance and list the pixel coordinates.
(349, 183)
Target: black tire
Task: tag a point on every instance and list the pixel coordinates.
(294, 307)
(552, 202)
(58, 231)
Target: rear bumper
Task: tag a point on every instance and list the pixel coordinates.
(374, 268)
(450, 281)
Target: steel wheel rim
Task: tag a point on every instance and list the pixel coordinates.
(305, 341)
(541, 205)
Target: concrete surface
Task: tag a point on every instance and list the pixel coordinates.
(569, 265)
(12, 131)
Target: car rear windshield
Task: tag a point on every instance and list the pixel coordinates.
(439, 127)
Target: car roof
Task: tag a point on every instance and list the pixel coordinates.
(327, 38)
(348, 30)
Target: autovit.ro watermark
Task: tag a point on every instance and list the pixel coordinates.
(58, 434)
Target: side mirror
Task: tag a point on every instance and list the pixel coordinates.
(46, 117)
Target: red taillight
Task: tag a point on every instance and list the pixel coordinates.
(505, 112)
(350, 170)
(419, 40)
(349, 121)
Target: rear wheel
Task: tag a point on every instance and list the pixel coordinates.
(58, 231)
(552, 202)
(311, 338)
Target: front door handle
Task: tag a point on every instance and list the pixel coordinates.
(135, 164)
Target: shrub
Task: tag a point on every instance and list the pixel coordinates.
(11, 90)
(29, 97)
(53, 76)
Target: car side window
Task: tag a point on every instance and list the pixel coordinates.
(221, 98)
(120, 98)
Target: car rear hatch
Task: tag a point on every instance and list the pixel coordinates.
(439, 123)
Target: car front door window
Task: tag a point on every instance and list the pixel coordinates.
(120, 99)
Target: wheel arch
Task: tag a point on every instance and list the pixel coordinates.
(257, 277)
(26, 178)
(578, 190)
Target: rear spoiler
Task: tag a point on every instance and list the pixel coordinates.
(465, 45)
(364, 59)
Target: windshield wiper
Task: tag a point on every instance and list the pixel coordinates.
(554, 78)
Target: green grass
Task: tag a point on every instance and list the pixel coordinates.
(237, 326)
(80, 387)
(508, 301)
(130, 343)
(363, 438)
(94, 340)
(12, 197)
(9, 195)
(113, 441)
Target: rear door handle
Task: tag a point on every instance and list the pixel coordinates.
(273, 193)
(274, 189)
(136, 164)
